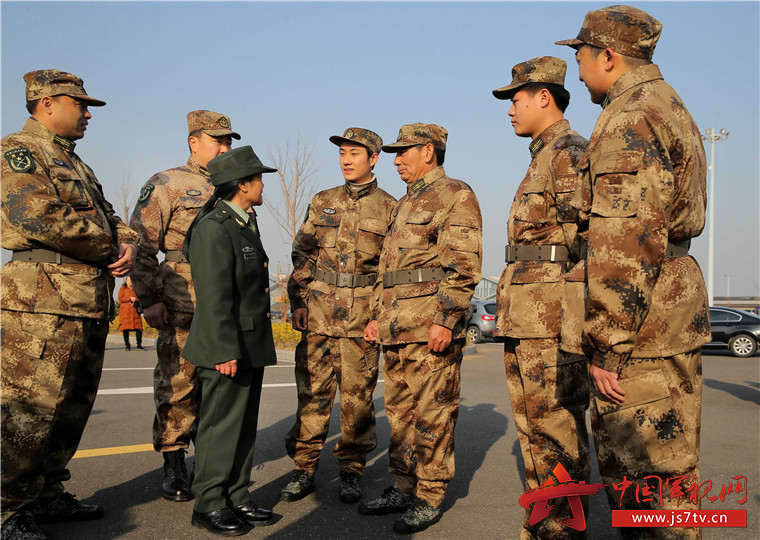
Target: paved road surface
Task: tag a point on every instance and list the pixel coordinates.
(482, 498)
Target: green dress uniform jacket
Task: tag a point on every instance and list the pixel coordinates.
(232, 321)
(232, 316)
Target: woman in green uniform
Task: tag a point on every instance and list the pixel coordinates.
(230, 342)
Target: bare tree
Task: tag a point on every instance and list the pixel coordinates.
(125, 196)
(296, 168)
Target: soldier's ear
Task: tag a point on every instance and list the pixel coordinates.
(373, 159)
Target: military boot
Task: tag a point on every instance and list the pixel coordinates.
(392, 500)
(299, 486)
(175, 485)
(21, 526)
(350, 491)
(65, 508)
(418, 517)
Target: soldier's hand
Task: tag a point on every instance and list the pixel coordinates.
(157, 315)
(125, 262)
(300, 319)
(606, 383)
(228, 368)
(439, 338)
(370, 332)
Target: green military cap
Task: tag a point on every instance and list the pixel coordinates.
(624, 29)
(211, 123)
(544, 69)
(236, 164)
(413, 134)
(51, 82)
(365, 137)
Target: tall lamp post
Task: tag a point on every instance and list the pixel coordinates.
(712, 138)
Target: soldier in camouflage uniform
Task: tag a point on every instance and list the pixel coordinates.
(57, 297)
(642, 199)
(548, 389)
(168, 203)
(430, 265)
(335, 257)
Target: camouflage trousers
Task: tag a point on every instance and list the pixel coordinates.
(51, 368)
(652, 437)
(549, 393)
(176, 388)
(324, 364)
(422, 404)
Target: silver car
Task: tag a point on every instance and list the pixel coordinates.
(482, 322)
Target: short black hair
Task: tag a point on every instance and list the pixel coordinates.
(440, 155)
(31, 106)
(559, 93)
(631, 61)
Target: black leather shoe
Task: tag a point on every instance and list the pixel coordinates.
(65, 508)
(223, 522)
(175, 486)
(253, 514)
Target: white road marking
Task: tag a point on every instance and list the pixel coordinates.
(149, 389)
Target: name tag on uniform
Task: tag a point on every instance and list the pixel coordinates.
(248, 253)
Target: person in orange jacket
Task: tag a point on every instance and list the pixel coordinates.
(130, 319)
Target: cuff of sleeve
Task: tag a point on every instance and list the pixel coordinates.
(448, 321)
(297, 303)
(609, 361)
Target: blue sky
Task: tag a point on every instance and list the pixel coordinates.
(277, 68)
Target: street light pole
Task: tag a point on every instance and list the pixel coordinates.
(712, 137)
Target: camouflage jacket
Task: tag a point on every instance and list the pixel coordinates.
(529, 295)
(643, 185)
(52, 200)
(168, 203)
(343, 233)
(437, 224)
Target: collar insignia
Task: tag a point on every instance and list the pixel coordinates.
(65, 143)
(204, 171)
(418, 185)
(536, 146)
(606, 101)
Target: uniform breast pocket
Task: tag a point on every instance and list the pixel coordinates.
(71, 188)
(617, 189)
(371, 235)
(531, 205)
(326, 230)
(416, 233)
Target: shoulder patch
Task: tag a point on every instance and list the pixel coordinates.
(193, 192)
(19, 159)
(146, 192)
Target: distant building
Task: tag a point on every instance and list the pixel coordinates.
(486, 289)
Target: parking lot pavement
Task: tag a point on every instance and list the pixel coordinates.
(123, 473)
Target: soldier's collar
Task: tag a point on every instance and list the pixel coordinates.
(193, 166)
(362, 190)
(39, 129)
(630, 79)
(547, 136)
(426, 180)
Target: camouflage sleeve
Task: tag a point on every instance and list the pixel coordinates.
(565, 181)
(35, 211)
(304, 256)
(460, 254)
(124, 235)
(627, 235)
(150, 219)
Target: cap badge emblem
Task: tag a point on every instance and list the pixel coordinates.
(224, 122)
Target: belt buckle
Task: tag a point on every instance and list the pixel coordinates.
(343, 280)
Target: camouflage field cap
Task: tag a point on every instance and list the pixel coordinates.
(544, 69)
(365, 137)
(212, 123)
(624, 29)
(51, 82)
(419, 133)
(236, 164)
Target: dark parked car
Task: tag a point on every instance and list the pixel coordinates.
(736, 328)
(482, 322)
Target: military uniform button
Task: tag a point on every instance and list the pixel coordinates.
(266, 289)
(268, 315)
(266, 264)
